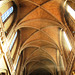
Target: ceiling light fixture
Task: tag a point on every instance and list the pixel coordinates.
(68, 43)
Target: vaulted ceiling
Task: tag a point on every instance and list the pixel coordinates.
(40, 23)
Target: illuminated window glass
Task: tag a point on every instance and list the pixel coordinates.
(71, 11)
(0, 51)
(11, 45)
(7, 14)
(17, 63)
(68, 43)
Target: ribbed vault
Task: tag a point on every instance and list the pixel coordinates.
(40, 23)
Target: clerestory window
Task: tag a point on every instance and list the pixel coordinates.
(17, 63)
(7, 14)
(71, 11)
(12, 43)
(67, 41)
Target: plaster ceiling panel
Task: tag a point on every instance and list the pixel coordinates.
(38, 65)
(41, 71)
(28, 6)
(46, 64)
(38, 36)
(28, 52)
(52, 53)
(35, 54)
(25, 8)
(54, 8)
(53, 32)
(38, 13)
(50, 46)
(42, 44)
(25, 34)
(37, 24)
(40, 53)
(40, 1)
